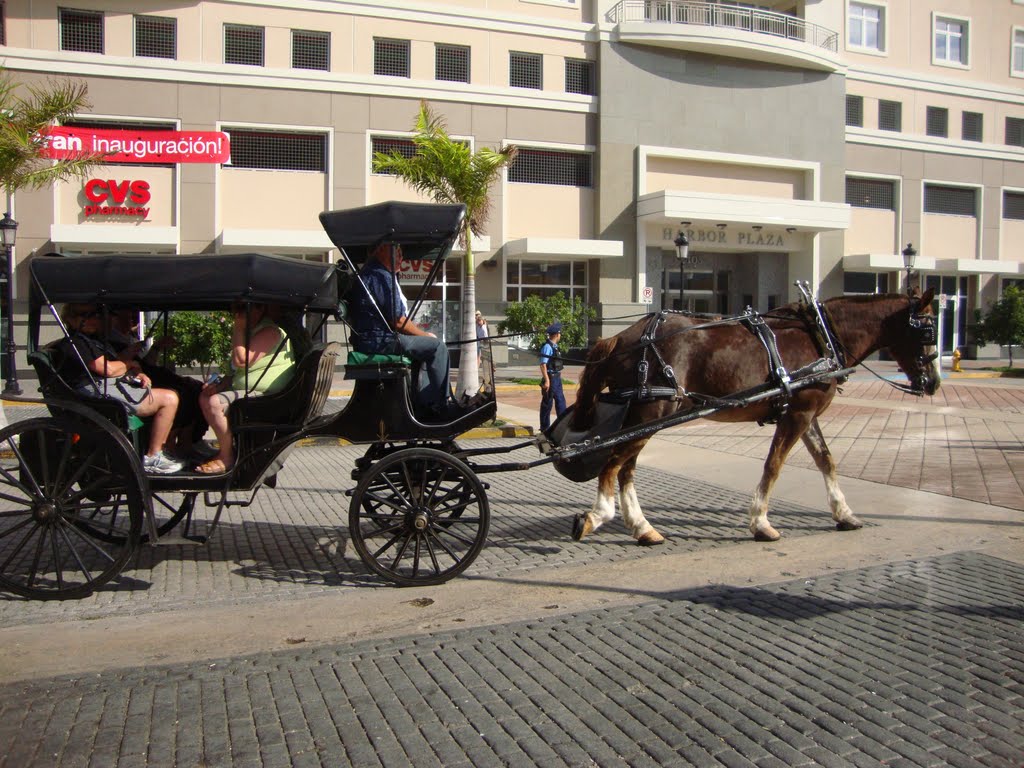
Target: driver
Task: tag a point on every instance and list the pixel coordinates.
(395, 332)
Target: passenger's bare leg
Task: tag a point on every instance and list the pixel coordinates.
(215, 409)
(162, 405)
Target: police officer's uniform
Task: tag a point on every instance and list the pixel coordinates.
(552, 362)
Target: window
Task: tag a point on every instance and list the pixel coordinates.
(278, 150)
(937, 123)
(156, 37)
(451, 63)
(950, 41)
(865, 282)
(855, 111)
(525, 70)
(545, 278)
(890, 116)
(1013, 205)
(871, 193)
(568, 169)
(1017, 62)
(971, 128)
(3, 24)
(81, 31)
(579, 76)
(952, 201)
(866, 26)
(389, 146)
(1015, 131)
(243, 44)
(390, 57)
(311, 50)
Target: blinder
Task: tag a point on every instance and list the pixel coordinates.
(924, 327)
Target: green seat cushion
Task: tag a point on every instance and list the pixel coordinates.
(361, 358)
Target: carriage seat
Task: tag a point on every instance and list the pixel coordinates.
(47, 361)
(360, 365)
(299, 403)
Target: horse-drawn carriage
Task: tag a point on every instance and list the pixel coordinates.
(75, 501)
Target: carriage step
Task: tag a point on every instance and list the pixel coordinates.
(170, 541)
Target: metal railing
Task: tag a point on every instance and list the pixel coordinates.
(727, 16)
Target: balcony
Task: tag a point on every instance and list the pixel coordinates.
(727, 30)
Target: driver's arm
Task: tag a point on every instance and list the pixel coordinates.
(408, 327)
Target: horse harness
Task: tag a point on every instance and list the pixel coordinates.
(832, 359)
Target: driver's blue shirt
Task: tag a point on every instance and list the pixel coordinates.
(371, 334)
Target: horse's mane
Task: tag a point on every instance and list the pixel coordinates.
(592, 381)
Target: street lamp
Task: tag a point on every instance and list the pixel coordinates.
(8, 234)
(909, 257)
(683, 254)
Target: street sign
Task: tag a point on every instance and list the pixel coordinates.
(648, 295)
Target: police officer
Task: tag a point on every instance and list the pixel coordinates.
(551, 377)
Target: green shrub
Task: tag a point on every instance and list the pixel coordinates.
(203, 340)
(532, 316)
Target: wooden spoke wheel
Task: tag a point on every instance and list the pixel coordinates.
(108, 518)
(419, 517)
(70, 508)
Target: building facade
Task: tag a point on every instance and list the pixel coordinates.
(792, 139)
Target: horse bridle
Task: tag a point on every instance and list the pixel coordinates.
(923, 327)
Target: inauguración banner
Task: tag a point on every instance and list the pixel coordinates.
(125, 146)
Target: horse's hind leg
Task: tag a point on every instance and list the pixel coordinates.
(815, 443)
(632, 516)
(789, 429)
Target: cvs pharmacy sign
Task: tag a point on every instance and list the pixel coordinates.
(107, 197)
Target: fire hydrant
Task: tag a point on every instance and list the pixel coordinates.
(956, 361)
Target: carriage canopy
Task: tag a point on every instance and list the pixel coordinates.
(425, 230)
(184, 282)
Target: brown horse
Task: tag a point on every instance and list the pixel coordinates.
(726, 358)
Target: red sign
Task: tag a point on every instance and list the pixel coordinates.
(116, 198)
(122, 146)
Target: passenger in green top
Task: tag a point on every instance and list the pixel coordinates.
(263, 367)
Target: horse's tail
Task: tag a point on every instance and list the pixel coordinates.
(592, 381)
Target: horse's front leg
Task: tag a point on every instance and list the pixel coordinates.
(815, 443)
(604, 506)
(787, 432)
(632, 515)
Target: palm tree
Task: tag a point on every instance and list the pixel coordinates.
(23, 121)
(445, 170)
(24, 163)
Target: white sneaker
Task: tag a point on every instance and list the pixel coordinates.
(161, 464)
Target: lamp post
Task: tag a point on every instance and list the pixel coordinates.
(909, 257)
(683, 254)
(8, 234)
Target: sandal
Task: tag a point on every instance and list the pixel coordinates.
(214, 467)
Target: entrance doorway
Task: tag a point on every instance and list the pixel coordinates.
(705, 290)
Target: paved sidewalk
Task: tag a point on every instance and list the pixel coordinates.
(898, 644)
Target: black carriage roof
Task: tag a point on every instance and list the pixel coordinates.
(420, 227)
(184, 282)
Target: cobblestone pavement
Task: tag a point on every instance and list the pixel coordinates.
(293, 541)
(916, 661)
(911, 664)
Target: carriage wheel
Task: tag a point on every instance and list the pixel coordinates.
(419, 517)
(70, 508)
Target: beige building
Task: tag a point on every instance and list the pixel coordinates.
(790, 139)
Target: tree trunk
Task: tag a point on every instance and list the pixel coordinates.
(469, 371)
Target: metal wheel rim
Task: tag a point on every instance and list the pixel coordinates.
(55, 478)
(419, 517)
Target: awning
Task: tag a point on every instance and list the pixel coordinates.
(544, 248)
(889, 262)
(115, 236)
(803, 215)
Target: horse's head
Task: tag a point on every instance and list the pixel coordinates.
(913, 344)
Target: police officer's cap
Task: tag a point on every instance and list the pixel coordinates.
(554, 328)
